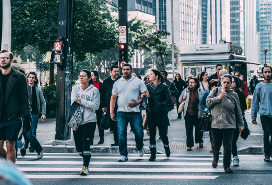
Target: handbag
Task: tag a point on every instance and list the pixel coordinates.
(206, 122)
(181, 106)
(76, 116)
(105, 123)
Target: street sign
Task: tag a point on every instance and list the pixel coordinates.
(122, 30)
(122, 39)
(122, 63)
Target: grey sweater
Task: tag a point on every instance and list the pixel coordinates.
(226, 113)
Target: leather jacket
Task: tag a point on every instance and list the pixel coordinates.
(159, 99)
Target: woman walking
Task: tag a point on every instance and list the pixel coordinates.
(204, 84)
(158, 102)
(242, 99)
(98, 84)
(226, 113)
(180, 85)
(192, 112)
(88, 97)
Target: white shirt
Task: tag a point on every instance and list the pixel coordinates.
(128, 90)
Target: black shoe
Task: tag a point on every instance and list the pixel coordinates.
(23, 152)
(101, 141)
(214, 163)
(114, 144)
(152, 158)
(228, 170)
(267, 158)
(200, 145)
(167, 150)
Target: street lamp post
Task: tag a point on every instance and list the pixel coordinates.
(265, 51)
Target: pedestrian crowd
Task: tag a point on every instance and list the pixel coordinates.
(215, 103)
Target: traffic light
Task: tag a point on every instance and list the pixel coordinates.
(123, 58)
(58, 51)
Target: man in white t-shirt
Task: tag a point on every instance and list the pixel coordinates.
(129, 91)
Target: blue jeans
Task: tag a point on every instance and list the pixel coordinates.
(267, 129)
(135, 120)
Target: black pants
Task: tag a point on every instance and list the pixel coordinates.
(267, 129)
(234, 142)
(160, 120)
(190, 122)
(31, 138)
(98, 117)
(83, 137)
(225, 136)
(179, 114)
(113, 127)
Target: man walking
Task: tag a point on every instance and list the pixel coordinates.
(128, 90)
(105, 100)
(262, 104)
(216, 75)
(13, 104)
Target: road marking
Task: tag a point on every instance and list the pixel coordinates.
(143, 170)
(190, 177)
(135, 163)
(117, 157)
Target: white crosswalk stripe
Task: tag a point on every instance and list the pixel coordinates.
(68, 166)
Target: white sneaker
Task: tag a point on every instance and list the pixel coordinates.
(40, 155)
(123, 158)
(235, 161)
(141, 152)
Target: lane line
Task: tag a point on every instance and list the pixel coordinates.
(143, 170)
(179, 177)
(117, 157)
(112, 163)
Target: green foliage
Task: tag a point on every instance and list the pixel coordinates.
(35, 23)
(156, 42)
(49, 93)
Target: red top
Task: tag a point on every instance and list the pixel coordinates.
(96, 84)
(245, 91)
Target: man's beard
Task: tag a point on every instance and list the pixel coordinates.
(6, 66)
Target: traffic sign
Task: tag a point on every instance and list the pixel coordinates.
(122, 63)
(122, 30)
(122, 39)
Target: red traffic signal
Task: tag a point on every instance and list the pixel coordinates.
(58, 46)
(122, 46)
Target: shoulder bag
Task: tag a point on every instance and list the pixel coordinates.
(76, 116)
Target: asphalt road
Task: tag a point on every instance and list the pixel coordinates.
(188, 168)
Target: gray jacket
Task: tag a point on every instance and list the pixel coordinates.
(226, 113)
(40, 100)
(90, 100)
(200, 95)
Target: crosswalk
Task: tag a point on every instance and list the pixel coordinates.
(106, 166)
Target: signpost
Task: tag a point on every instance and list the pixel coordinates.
(123, 34)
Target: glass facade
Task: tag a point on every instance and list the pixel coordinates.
(235, 21)
(265, 30)
(204, 21)
(162, 15)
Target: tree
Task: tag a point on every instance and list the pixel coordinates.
(35, 23)
(156, 42)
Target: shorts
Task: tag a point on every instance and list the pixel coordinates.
(11, 132)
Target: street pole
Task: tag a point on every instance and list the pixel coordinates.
(123, 37)
(64, 72)
(173, 41)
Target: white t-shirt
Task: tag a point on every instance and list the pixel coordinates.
(128, 90)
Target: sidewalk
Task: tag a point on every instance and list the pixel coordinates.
(176, 134)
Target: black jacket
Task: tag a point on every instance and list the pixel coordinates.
(213, 76)
(16, 103)
(105, 93)
(180, 85)
(172, 88)
(159, 99)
